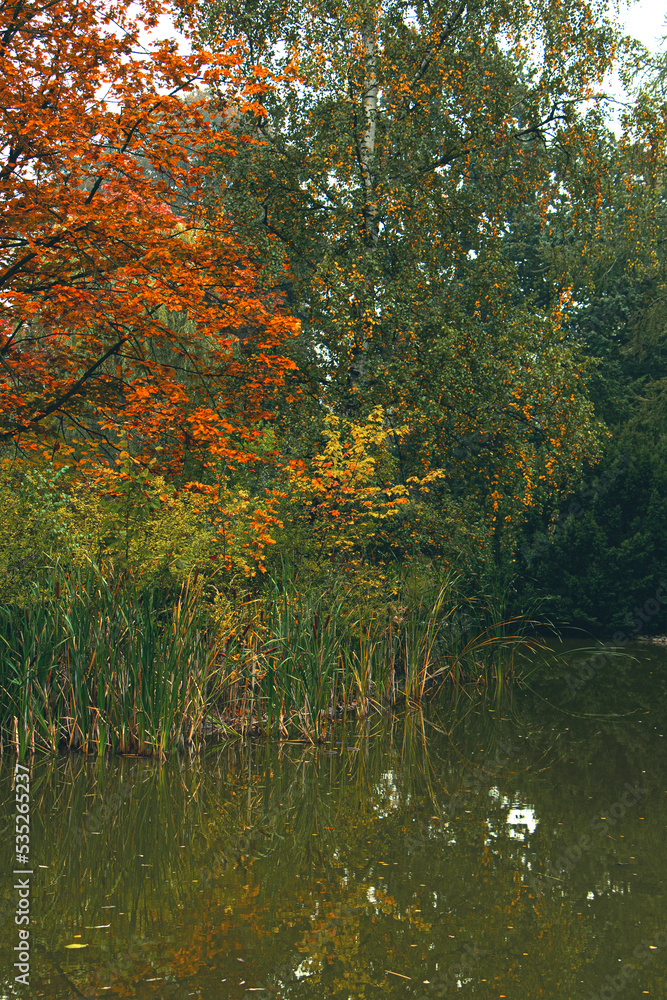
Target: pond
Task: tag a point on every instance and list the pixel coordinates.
(500, 847)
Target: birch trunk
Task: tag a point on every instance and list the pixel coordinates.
(370, 102)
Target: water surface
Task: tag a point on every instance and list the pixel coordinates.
(511, 848)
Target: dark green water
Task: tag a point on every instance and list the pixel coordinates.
(491, 849)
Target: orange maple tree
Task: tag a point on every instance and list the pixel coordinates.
(132, 315)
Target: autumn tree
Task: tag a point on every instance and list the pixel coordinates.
(133, 321)
(392, 171)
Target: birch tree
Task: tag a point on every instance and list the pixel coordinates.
(396, 160)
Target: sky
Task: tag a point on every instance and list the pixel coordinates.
(646, 21)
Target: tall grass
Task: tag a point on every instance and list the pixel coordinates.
(297, 659)
(93, 664)
(88, 666)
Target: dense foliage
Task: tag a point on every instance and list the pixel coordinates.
(368, 297)
(601, 553)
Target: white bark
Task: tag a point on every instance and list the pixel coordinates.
(370, 103)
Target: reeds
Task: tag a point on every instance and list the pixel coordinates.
(93, 665)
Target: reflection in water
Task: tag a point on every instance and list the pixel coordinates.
(484, 850)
